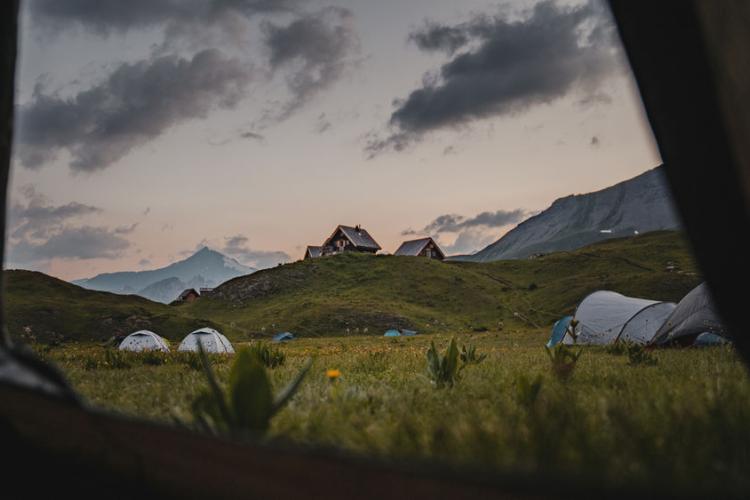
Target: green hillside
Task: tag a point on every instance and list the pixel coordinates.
(358, 291)
(47, 309)
(361, 294)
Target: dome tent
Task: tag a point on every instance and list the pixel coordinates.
(695, 314)
(604, 317)
(210, 339)
(392, 333)
(144, 340)
(283, 337)
(707, 339)
(641, 328)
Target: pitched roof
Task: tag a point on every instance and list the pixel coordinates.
(360, 238)
(314, 251)
(413, 247)
(187, 292)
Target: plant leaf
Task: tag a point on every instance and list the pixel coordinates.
(218, 394)
(288, 392)
(250, 392)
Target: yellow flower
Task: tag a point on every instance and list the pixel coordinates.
(333, 374)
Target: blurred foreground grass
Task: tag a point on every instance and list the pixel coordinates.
(681, 423)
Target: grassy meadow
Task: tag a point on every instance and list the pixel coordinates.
(678, 422)
(674, 419)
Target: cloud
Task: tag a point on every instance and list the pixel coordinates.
(39, 232)
(322, 124)
(126, 229)
(472, 233)
(314, 50)
(251, 135)
(469, 241)
(501, 67)
(435, 37)
(135, 104)
(36, 218)
(179, 18)
(237, 247)
(72, 243)
(453, 223)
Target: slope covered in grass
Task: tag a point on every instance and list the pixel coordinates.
(43, 308)
(355, 294)
(364, 294)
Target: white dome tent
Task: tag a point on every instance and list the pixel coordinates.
(144, 340)
(605, 317)
(211, 340)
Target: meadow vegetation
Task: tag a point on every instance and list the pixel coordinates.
(680, 423)
(671, 419)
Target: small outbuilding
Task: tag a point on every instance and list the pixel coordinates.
(188, 295)
(350, 239)
(313, 252)
(144, 340)
(211, 340)
(423, 247)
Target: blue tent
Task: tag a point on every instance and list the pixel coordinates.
(708, 339)
(408, 333)
(283, 337)
(392, 333)
(558, 331)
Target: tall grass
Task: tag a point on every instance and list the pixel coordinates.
(679, 425)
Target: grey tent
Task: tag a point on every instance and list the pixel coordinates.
(695, 314)
(606, 317)
(211, 340)
(144, 340)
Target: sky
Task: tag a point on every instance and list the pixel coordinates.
(148, 129)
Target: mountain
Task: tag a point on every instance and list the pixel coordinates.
(637, 205)
(164, 291)
(205, 268)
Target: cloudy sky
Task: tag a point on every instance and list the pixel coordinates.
(147, 129)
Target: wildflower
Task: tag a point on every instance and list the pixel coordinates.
(333, 374)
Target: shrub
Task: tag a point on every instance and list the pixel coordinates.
(469, 355)
(270, 357)
(617, 349)
(638, 355)
(443, 370)
(248, 404)
(563, 360)
(527, 390)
